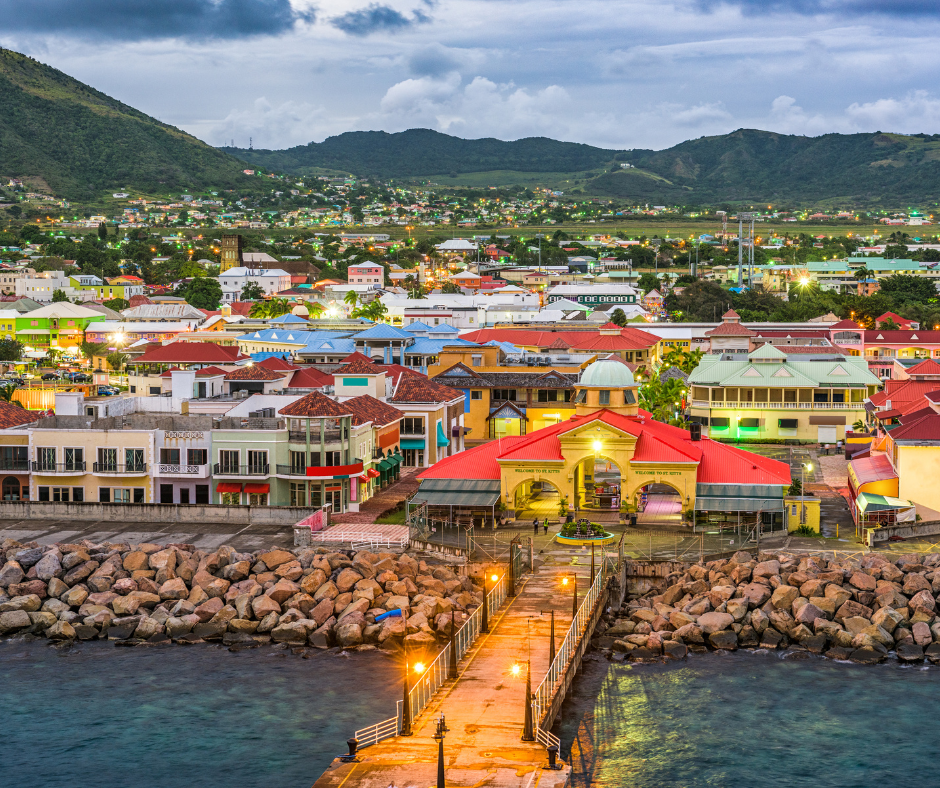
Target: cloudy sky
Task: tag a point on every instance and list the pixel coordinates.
(613, 73)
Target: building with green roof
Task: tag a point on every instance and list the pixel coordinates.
(768, 396)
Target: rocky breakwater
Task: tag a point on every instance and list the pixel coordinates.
(148, 593)
(855, 609)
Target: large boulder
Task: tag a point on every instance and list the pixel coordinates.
(723, 639)
(49, 566)
(263, 606)
(713, 622)
(275, 558)
(756, 593)
(348, 634)
(293, 632)
(766, 569)
(784, 596)
(862, 581)
(14, 620)
(923, 601)
(174, 589)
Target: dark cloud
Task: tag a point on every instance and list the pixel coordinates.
(147, 19)
(814, 7)
(432, 61)
(377, 17)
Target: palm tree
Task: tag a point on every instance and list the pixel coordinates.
(374, 311)
(352, 299)
(89, 349)
(315, 309)
(117, 360)
(278, 307)
(259, 309)
(864, 273)
(6, 395)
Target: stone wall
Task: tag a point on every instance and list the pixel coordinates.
(195, 514)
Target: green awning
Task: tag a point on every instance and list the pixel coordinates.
(412, 443)
(395, 459)
(739, 498)
(385, 465)
(442, 439)
(467, 493)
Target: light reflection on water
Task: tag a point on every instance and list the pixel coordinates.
(755, 720)
(97, 715)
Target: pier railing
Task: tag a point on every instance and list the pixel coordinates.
(435, 674)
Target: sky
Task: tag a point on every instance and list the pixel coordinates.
(618, 74)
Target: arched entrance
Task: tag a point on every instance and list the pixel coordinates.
(658, 504)
(598, 485)
(536, 498)
(11, 488)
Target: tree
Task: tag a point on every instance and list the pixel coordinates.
(11, 349)
(374, 311)
(315, 309)
(117, 304)
(352, 299)
(58, 296)
(89, 349)
(648, 282)
(204, 293)
(909, 288)
(700, 302)
(683, 359)
(618, 317)
(53, 355)
(278, 307)
(889, 325)
(6, 394)
(102, 231)
(864, 273)
(252, 291)
(117, 360)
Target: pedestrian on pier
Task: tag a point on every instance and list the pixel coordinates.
(535, 526)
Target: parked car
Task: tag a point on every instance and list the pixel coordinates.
(50, 376)
(107, 391)
(79, 377)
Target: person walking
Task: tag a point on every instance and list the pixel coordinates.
(546, 526)
(535, 526)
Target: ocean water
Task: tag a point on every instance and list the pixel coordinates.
(752, 720)
(98, 715)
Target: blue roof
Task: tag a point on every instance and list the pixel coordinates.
(443, 329)
(507, 347)
(338, 345)
(383, 331)
(291, 335)
(419, 326)
(288, 318)
(424, 346)
(256, 357)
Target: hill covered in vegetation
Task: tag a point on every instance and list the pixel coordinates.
(81, 142)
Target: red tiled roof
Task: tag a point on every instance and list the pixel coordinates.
(314, 405)
(357, 356)
(901, 337)
(13, 415)
(277, 364)
(365, 408)
(630, 338)
(845, 325)
(241, 307)
(887, 414)
(651, 449)
(254, 372)
(476, 463)
(417, 388)
(359, 367)
(138, 300)
(190, 353)
(309, 378)
(730, 313)
(873, 468)
(730, 330)
(205, 372)
(926, 367)
(926, 428)
(904, 395)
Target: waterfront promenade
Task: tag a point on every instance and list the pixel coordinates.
(484, 707)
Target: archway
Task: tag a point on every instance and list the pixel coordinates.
(536, 499)
(10, 489)
(658, 503)
(598, 484)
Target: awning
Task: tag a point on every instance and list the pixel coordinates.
(373, 473)
(472, 493)
(739, 498)
(412, 443)
(385, 465)
(442, 439)
(257, 488)
(865, 470)
(364, 479)
(396, 459)
(228, 487)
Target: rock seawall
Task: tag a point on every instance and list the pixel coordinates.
(150, 593)
(854, 609)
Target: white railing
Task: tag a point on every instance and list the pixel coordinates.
(542, 697)
(697, 403)
(546, 738)
(375, 544)
(435, 674)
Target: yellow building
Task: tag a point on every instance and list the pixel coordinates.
(764, 395)
(508, 395)
(75, 459)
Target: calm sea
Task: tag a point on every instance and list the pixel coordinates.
(752, 720)
(97, 715)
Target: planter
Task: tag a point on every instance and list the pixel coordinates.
(606, 538)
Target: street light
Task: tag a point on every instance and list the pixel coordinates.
(574, 602)
(804, 466)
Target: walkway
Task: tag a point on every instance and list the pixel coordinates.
(485, 706)
(383, 500)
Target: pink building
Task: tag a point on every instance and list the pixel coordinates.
(366, 274)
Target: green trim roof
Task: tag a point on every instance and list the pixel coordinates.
(790, 374)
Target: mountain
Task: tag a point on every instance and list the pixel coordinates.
(81, 142)
(745, 165)
(420, 152)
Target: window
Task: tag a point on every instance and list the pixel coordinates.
(46, 459)
(257, 462)
(504, 394)
(43, 493)
(13, 458)
(169, 456)
(787, 424)
(107, 459)
(581, 397)
(298, 462)
(750, 424)
(604, 397)
(333, 458)
(412, 426)
(134, 460)
(298, 493)
(231, 499)
(202, 493)
(477, 394)
(257, 499)
(720, 422)
(228, 461)
(549, 395)
(476, 361)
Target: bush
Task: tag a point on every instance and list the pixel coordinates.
(805, 530)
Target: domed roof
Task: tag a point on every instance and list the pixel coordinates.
(300, 310)
(607, 374)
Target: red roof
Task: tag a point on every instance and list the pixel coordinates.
(904, 395)
(357, 356)
(365, 408)
(730, 330)
(190, 353)
(417, 388)
(926, 367)
(628, 339)
(845, 325)
(241, 307)
(718, 463)
(873, 468)
(309, 378)
(277, 364)
(254, 373)
(902, 337)
(13, 415)
(730, 313)
(138, 300)
(926, 428)
(316, 405)
(901, 321)
(358, 367)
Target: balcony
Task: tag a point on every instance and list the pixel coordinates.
(14, 465)
(331, 436)
(291, 470)
(184, 471)
(241, 470)
(699, 403)
(58, 467)
(113, 469)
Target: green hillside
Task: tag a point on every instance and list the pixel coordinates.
(744, 166)
(81, 142)
(423, 152)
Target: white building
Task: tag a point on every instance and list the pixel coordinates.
(270, 280)
(164, 313)
(41, 287)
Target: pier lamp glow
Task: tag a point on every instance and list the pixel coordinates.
(419, 668)
(597, 446)
(515, 669)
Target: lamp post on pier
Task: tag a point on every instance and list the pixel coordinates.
(439, 736)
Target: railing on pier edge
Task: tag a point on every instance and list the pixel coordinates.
(543, 696)
(435, 674)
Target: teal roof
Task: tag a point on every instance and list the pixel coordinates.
(767, 351)
(607, 373)
(791, 374)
